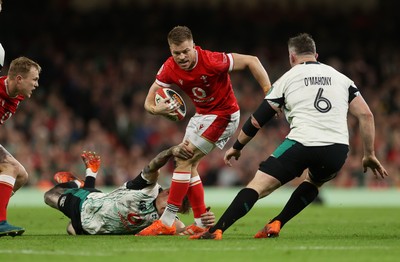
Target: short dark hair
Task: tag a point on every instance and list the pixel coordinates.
(179, 34)
(302, 44)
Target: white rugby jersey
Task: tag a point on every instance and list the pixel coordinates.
(315, 99)
(122, 211)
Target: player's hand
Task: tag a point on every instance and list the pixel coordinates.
(166, 106)
(91, 160)
(208, 218)
(373, 163)
(183, 150)
(231, 152)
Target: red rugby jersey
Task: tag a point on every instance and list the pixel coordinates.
(208, 84)
(8, 105)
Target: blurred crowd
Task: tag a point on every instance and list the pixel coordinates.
(98, 66)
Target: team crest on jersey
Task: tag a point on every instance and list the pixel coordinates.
(142, 206)
(62, 201)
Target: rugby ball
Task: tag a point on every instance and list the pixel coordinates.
(163, 93)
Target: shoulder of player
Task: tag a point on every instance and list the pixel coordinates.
(208, 54)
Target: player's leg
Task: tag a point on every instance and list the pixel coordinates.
(52, 196)
(179, 185)
(70, 203)
(323, 163)
(92, 162)
(11, 174)
(68, 180)
(261, 185)
(196, 196)
(215, 133)
(179, 188)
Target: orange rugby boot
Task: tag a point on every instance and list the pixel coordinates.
(156, 229)
(270, 230)
(65, 176)
(217, 235)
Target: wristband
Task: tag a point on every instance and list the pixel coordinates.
(237, 145)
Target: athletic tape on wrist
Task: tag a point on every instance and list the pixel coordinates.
(89, 172)
(237, 145)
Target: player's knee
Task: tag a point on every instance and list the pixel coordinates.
(182, 163)
(22, 175)
(16, 170)
(51, 197)
(264, 184)
(47, 197)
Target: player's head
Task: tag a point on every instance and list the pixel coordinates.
(24, 73)
(161, 203)
(301, 45)
(181, 45)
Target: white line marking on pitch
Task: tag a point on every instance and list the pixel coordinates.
(333, 248)
(47, 252)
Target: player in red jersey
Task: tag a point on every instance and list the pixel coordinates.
(204, 76)
(21, 80)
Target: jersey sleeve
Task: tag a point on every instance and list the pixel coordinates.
(353, 92)
(219, 62)
(137, 183)
(275, 95)
(163, 75)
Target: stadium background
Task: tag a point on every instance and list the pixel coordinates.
(100, 57)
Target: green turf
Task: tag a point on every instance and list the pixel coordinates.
(318, 234)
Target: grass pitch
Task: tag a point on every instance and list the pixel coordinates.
(319, 233)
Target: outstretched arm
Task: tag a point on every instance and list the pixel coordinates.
(359, 108)
(262, 115)
(240, 62)
(182, 151)
(150, 173)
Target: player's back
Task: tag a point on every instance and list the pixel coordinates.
(316, 104)
(122, 211)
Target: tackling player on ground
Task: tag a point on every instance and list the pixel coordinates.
(126, 210)
(204, 76)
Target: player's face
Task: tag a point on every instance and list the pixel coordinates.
(29, 83)
(184, 54)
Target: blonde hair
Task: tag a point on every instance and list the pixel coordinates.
(21, 66)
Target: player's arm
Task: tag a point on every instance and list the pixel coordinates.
(262, 115)
(241, 62)
(150, 173)
(164, 107)
(360, 109)
(149, 103)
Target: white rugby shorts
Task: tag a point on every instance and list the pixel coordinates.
(209, 131)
